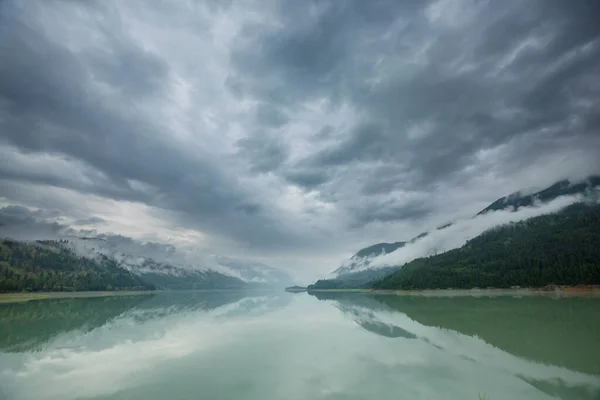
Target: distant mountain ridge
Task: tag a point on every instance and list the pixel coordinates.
(51, 266)
(561, 188)
(559, 248)
(378, 249)
(59, 265)
(358, 268)
(361, 258)
(161, 265)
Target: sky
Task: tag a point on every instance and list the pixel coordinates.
(292, 133)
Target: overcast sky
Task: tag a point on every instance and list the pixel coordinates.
(293, 132)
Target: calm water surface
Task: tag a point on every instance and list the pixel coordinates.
(265, 346)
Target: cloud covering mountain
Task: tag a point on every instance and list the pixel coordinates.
(290, 133)
(142, 258)
(518, 206)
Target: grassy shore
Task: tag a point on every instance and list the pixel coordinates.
(589, 290)
(19, 297)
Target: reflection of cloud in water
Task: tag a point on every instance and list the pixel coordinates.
(263, 348)
(107, 358)
(28, 326)
(376, 316)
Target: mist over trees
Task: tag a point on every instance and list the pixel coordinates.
(49, 266)
(561, 248)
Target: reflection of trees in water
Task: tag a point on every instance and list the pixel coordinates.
(176, 302)
(361, 308)
(557, 388)
(28, 326)
(559, 332)
(562, 332)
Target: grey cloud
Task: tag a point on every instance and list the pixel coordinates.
(270, 115)
(442, 108)
(249, 208)
(130, 69)
(50, 103)
(18, 222)
(124, 244)
(307, 179)
(364, 142)
(474, 104)
(265, 154)
(90, 221)
(389, 211)
(324, 133)
(24, 212)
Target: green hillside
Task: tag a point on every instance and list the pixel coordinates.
(562, 188)
(561, 248)
(49, 266)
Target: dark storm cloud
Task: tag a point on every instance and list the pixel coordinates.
(389, 211)
(18, 222)
(445, 89)
(25, 213)
(50, 103)
(265, 154)
(366, 142)
(89, 221)
(306, 178)
(358, 111)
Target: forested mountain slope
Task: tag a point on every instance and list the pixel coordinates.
(562, 188)
(49, 266)
(561, 248)
(362, 266)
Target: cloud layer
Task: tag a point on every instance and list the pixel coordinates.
(457, 234)
(292, 132)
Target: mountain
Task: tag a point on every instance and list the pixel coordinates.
(359, 269)
(159, 264)
(34, 326)
(27, 326)
(166, 268)
(255, 273)
(165, 276)
(295, 289)
(361, 259)
(501, 321)
(50, 266)
(560, 248)
(562, 188)
(83, 264)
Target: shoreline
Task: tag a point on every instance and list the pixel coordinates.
(19, 297)
(560, 291)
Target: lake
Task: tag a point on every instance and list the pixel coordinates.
(277, 345)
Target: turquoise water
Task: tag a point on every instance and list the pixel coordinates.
(276, 345)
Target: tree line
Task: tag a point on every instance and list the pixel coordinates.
(561, 249)
(51, 266)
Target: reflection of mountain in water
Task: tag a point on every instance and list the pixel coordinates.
(361, 308)
(562, 332)
(555, 332)
(247, 303)
(387, 330)
(560, 390)
(28, 326)
(167, 303)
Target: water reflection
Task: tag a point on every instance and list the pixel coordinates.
(72, 348)
(27, 326)
(560, 336)
(271, 345)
